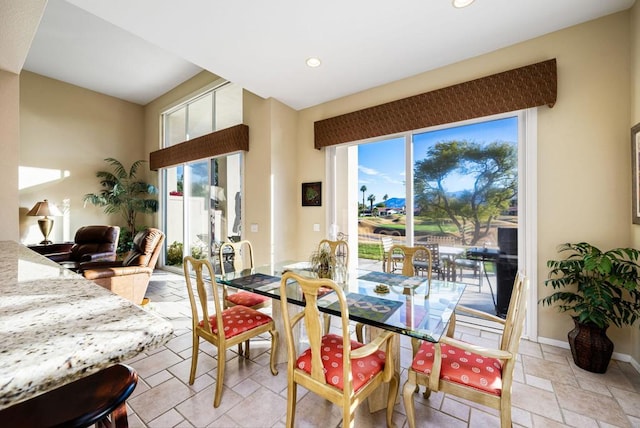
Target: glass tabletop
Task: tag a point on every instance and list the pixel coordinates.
(406, 305)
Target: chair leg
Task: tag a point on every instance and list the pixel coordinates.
(292, 392)
(274, 347)
(394, 384)
(220, 378)
(246, 349)
(407, 395)
(359, 332)
(194, 358)
(348, 418)
(327, 323)
(240, 349)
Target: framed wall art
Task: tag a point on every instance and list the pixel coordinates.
(635, 160)
(312, 194)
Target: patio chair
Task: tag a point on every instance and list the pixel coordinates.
(335, 367)
(476, 373)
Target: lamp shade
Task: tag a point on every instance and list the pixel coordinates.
(44, 208)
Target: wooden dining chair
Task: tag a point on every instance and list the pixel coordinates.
(335, 367)
(411, 255)
(476, 373)
(340, 251)
(240, 323)
(236, 257)
(408, 256)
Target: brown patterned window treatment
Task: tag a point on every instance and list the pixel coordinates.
(530, 86)
(217, 143)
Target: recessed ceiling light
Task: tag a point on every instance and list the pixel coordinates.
(462, 3)
(313, 62)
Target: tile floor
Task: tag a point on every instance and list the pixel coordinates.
(549, 390)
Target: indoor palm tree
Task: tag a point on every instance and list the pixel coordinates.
(123, 193)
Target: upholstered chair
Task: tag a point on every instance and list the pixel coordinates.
(129, 277)
(91, 243)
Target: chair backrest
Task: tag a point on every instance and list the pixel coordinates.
(339, 248)
(514, 320)
(410, 254)
(434, 248)
(95, 239)
(235, 256)
(387, 243)
(147, 245)
(311, 289)
(201, 271)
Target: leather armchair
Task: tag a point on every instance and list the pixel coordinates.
(129, 277)
(91, 243)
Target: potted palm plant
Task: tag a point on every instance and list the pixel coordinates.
(599, 289)
(125, 194)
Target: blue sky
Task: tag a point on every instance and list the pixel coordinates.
(381, 165)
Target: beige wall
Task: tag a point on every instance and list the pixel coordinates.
(635, 118)
(67, 128)
(583, 145)
(10, 144)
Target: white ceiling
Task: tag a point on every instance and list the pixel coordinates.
(138, 50)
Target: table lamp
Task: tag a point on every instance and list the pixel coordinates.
(44, 208)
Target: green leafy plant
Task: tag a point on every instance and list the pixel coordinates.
(322, 262)
(123, 193)
(607, 284)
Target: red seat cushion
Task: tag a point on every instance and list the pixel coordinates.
(247, 299)
(463, 367)
(362, 369)
(237, 320)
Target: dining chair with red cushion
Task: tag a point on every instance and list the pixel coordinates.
(335, 367)
(476, 373)
(226, 327)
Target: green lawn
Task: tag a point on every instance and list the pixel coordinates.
(369, 251)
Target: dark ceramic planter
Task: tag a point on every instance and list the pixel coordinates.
(590, 347)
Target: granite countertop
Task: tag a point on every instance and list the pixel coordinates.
(56, 326)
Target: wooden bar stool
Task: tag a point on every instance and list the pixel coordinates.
(96, 399)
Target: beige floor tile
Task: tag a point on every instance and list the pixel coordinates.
(590, 404)
(629, 401)
(168, 419)
(199, 409)
(159, 400)
(550, 370)
(541, 421)
(577, 420)
(536, 401)
(480, 419)
(429, 417)
(314, 411)
(262, 408)
(156, 363)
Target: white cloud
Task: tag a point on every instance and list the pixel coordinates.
(368, 171)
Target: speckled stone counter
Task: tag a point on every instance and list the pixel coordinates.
(56, 326)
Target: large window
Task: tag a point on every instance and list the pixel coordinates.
(202, 198)
(455, 189)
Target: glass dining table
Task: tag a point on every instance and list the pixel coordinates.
(408, 306)
(405, 305)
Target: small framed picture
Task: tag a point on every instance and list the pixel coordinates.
(635, 160)
(312, 194)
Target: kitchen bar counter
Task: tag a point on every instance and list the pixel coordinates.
(56, 326)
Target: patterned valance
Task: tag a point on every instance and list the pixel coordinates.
(217, 143)
(530, 86)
